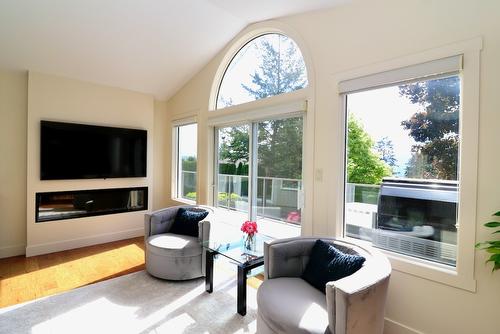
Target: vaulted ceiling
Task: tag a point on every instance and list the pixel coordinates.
(151, 46)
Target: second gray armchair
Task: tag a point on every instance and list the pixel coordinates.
(352, 305)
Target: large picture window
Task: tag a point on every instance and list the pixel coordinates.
(402, 165)
(185, 162)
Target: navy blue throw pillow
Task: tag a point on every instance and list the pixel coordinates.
(186, 221)
(327, 263)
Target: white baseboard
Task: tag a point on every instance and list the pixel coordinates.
(394, 327)
(14, 250)
(58, 246)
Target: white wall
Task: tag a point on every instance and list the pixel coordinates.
(161, 158)
(356, 35)
(62, 99)
(13, 114)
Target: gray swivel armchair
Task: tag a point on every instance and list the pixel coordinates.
(352, 305)
(173, 256)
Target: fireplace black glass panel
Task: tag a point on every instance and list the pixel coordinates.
(83, 203)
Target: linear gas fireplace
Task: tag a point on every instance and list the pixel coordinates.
(83, 203)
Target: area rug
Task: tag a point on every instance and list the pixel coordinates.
(136, 303)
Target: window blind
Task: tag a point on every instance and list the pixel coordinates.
(184, 121)
(403, 75)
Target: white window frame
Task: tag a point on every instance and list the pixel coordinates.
(235, 53)
(175, 161)
(463, 275)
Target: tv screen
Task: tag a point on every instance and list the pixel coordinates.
(78, 151)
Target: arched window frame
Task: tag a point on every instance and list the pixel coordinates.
(237, 53)
(282, 104)
(247, 37)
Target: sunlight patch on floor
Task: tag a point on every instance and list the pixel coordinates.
(106, 317)
(176, 325)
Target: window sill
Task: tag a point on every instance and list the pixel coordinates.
(428, 270)
(184, 201)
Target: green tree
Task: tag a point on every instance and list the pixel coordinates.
(417, 167)
(386, 149)
(189, 164)
(281, 70)
(233, 149)
(436, 127)
(363, 164)
(280, 148)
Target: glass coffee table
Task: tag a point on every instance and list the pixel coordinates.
(246, 260)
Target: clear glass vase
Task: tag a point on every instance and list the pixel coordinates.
(249, 242)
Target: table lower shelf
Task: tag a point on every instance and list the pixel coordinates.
(243, 270)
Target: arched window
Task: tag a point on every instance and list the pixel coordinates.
(268, 65)
(258, 156)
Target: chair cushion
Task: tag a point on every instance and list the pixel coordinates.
(291, 305)
(186, 221)
(326, 263)
(174, 245)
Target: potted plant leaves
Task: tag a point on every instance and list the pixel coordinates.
(492, 246)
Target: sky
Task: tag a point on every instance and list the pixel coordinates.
(187, 140)
(381, 112)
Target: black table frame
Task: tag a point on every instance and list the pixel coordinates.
(243, 269)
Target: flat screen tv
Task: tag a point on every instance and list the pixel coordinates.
(79, 151)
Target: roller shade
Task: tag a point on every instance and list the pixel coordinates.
(184, 121)
(403, 75)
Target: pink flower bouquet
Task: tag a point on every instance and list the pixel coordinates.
(249, 227)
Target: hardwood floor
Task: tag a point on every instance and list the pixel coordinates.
(23, 279)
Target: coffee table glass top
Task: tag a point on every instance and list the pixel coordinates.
(234, 249)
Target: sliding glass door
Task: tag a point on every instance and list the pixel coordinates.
(259, 170)
(232, 168)
(279, 170)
